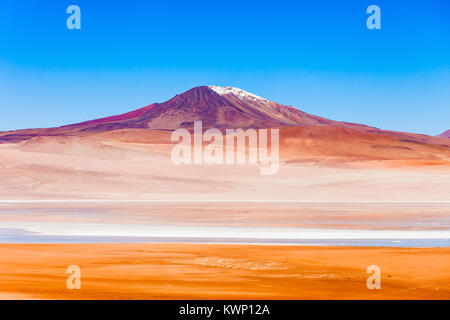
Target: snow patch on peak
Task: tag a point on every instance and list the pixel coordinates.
(242, 94)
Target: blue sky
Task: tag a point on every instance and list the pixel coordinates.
(316, 55)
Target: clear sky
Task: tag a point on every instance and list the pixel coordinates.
(316, 55)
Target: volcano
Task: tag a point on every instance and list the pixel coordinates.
(218, 107)
(232, 108)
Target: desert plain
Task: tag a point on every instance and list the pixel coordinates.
(206, 271)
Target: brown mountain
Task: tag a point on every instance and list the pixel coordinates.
(220, 107)
(302, 136)
(227, 107)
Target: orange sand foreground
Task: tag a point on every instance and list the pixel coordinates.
(199, 271)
